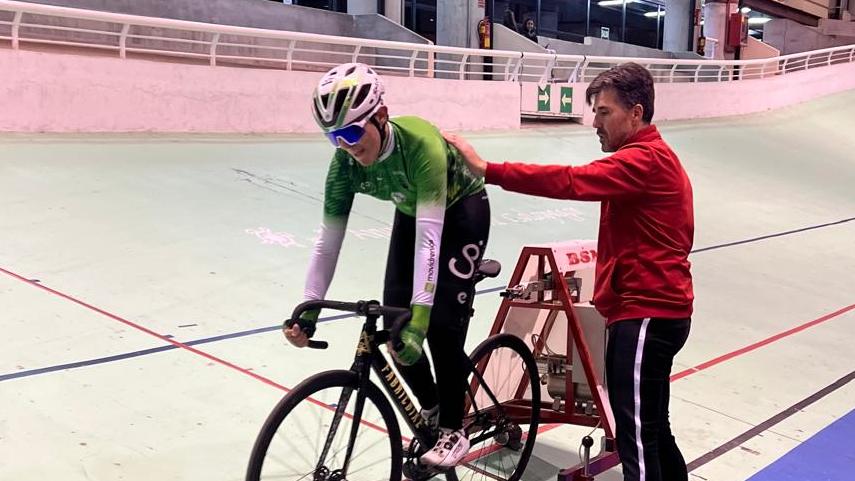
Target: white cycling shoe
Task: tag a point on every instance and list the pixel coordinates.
(450, 449)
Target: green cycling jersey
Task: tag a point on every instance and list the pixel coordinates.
(421, 174)
(421, 168)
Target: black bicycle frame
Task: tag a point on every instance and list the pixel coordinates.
(368, 357)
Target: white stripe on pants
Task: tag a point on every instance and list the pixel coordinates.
(636, 378)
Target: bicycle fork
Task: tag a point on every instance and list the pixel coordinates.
(321, 472)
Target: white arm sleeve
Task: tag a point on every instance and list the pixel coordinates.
(429, 222)
(324, 258)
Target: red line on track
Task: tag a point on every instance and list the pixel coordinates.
(179, 344)
(759, 344)
(270, 382)
(700, 367)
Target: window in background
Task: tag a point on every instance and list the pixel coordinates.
(564, 19)
(607, 19)
(756, 21)
(332, 5)
(644, 22)
(420, 17)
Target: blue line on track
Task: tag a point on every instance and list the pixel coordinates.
(119, 357)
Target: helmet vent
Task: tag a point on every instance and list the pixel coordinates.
(341, 96)
(345, 95)
(360, 97)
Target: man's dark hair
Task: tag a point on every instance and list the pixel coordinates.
(632, 83)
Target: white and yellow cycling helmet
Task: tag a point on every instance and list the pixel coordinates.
(345, 99)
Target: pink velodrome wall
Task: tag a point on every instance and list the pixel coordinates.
(59, 92)
(50, 92)
(678, 101)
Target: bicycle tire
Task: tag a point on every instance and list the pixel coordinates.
(302, 393)
(518, 346)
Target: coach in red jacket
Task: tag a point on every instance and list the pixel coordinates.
(643, 284)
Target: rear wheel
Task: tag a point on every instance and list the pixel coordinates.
(501, 428)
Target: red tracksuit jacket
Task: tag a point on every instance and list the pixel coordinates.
(646, 223)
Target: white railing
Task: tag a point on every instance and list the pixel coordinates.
(27, 23)
(129, 35)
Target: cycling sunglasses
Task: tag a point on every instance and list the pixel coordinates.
(350, 135)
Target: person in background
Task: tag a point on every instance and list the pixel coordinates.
(510, 20)
(530, 31)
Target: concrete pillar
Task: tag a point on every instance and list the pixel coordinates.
(715, 23)
(395, 11)
(457, 26)
(678, 26)
(451, 21)
(457, 22)
(361, 7)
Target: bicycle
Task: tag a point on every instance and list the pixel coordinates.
(502, 433)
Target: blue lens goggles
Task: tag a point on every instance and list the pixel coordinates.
(350, 135)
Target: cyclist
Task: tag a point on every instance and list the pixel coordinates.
(439, 234)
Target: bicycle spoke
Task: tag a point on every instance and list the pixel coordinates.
(313, 437)
(369, 446)
(300, 453)
(364, 450)
(485, 474)
(499, 447)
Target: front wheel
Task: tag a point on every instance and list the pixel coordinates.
(311, 435)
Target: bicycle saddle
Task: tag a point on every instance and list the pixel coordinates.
(489, 268)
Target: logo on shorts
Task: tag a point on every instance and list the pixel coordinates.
(471, 253)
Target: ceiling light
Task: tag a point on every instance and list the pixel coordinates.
(745, 10)
(758, 20)
(660, 13)
(610, 3)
